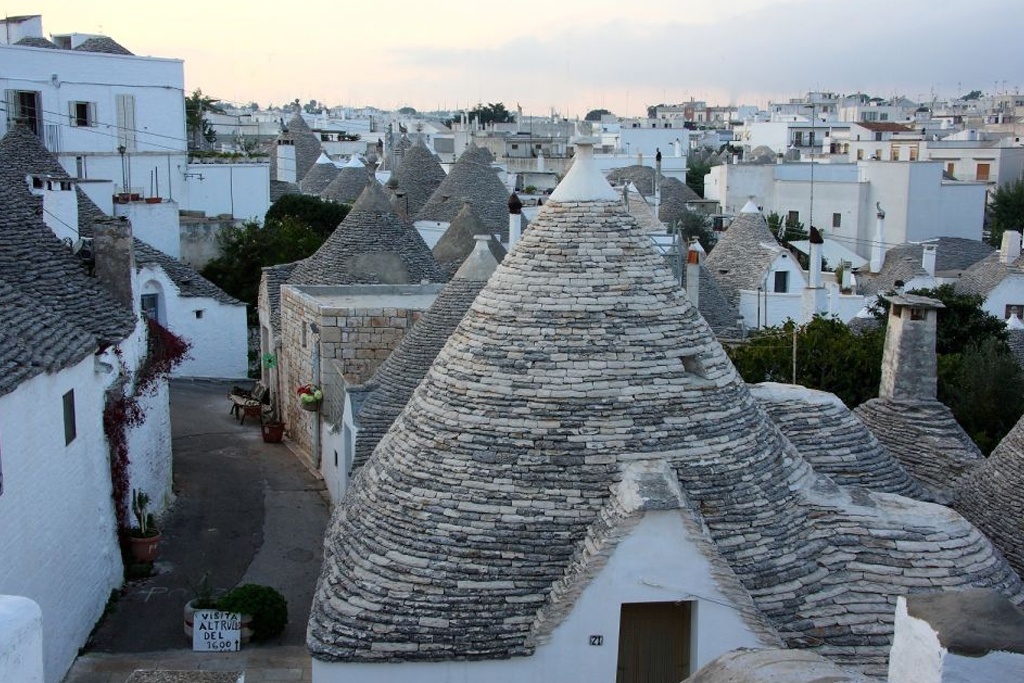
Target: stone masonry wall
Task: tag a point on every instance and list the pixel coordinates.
(358, 338)
(909, 363)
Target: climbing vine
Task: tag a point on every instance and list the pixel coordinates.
(122, 412)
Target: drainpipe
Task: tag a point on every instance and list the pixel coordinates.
(315, 455)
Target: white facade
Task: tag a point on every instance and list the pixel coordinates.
(155, 224)
(240, 190)
(919, 204)
(217, 331)
(663, 559)
(58, 533)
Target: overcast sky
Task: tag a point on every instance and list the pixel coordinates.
(568, 54)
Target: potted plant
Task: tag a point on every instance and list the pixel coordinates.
(310, 396)
(204, 598)
(144, 537)
(272, 428)
(269, 609)
(153, 200)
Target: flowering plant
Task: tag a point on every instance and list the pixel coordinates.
(309, 393)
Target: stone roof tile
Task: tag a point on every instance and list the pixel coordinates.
(472, 179)
(742, 256)
(417, 177)
(319, 176)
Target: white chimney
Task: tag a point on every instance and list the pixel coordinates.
(878, 248)
(515, 220)
(1010, 249)
(847, 276)
(60, 204)
(694, 256)
(677, 148)
(286, 169)
(814, 270)
(928, 258)
(540, 161)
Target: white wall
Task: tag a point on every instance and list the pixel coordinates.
(431, 231)
(149, 449)
(658, 562)
(338, 445)
(1009, 292)
(21, 640)
(58, 532)
(219, 338)
(155, 224)
(239, 190)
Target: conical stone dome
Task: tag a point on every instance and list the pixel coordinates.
(348, 184)
(472, 179)
(459, 240)
(417, 177)
(579, 361)
(307, 145)
(371, 246)
(743, 254)
(320, 176)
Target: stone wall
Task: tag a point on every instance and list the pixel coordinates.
(359, 335)
(909, 362)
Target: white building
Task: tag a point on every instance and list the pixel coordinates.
(919, 203)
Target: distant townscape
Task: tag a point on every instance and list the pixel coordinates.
(718, 394)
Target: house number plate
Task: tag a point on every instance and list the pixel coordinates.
(597, 640)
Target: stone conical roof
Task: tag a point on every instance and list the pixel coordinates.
(348, 184)
(833, 440)
(991, 496)
(396, 379)
(578, 371)
(474, 180)
(925, 438)
(459, 240)
(320, 176)
(371, 246)
(307, 147)
(418, 175)
(743, 254)
(103, 44)
(37, 41)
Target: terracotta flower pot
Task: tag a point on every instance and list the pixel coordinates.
(153, 200)
(144, 549)
(273, 432)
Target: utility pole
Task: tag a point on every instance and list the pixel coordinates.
(794, 353)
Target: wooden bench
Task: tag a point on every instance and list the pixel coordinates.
(248, 402)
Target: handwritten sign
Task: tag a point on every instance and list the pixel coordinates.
(216, 631)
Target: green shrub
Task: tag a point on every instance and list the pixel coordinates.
(268, 608)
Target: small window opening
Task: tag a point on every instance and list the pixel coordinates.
(70, 428)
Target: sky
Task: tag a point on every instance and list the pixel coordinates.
(566, 55)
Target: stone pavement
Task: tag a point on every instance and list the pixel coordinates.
(245, 512)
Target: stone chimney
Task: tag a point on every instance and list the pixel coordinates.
(928, 259)
(878, 248)
(515, 220)
(909, 361)
(694, 256)
(115, 259)
(1009, 251)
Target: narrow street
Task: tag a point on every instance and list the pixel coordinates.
(245, 512)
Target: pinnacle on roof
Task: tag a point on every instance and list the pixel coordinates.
(418, 175)
(584, 182)
(580, 378)
(750, 207)
(515, 204)
(355, 162)
(371, 246)
(816, 237)
(459, 240)
(103, 44)
(472, 178)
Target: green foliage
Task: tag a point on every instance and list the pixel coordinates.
(962, 323)
(692, 224)
(198, 127)
(596, 114)
(246, 249)
(984, 387)
(268, 608)
(830, 357)
(695, 172)
(973, 95)
(407, 111)
(652, 111)
(494, 112)
(1006, 211)
(530, 189)
(319, 215)
(312, 107)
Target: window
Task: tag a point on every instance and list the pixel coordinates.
(24, 106)
(793, 218)
(860, 155)
(80, 166)
(894, 154)
(151, 306)
(654, 641)
(913, 153)
(781, 281)
(70, 431)
(199, 314)
(810, 139)
(515, 146)
(798, 139)
(126, 121)
(878, 136)
(883, 116)
(837, 219)
(83, 114)
(983, 171)
(950, 168)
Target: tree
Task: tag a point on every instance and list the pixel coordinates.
(312, 107)
(596, 114)
(322, 217)
(695, 172)
(407, 111)
(693, 225)
(963, 322)
(491, 113)
(252, 106)
(246, 249)
(199, 129)
(973, 95)
(652, 110)
(1006, 211)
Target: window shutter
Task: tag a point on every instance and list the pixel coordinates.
(92, 113)
(11, 105)
(72, 114)
(126, 121)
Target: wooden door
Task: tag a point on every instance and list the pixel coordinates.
(654, 642)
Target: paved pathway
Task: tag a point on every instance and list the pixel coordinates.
(245, 512)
